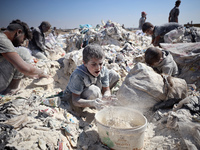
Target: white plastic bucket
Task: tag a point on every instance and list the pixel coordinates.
(121, 128)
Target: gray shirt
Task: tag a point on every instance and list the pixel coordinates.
(167, 65)
(38, 40)
(81, 79)
(7, 70)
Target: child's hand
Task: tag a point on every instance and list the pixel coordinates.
(111, 100)
(99, 104)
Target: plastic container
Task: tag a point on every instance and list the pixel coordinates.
(54, 101)
(121, 128)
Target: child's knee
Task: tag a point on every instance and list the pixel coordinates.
(91, 92)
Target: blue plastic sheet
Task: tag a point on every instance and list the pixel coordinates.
(85, 26)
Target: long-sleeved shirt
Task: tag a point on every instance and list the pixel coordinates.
(38, 40)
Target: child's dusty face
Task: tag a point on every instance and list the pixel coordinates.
(94, 66)
(149, 31)
(157, 63)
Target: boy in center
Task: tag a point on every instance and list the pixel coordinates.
(161, 61)
(91, 82)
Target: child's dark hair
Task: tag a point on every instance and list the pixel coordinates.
(152, 55)
(92, 51)
(17, 24)
(146, 26)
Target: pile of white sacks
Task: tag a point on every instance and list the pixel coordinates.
(27, 124)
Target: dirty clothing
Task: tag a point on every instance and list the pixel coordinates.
(7, 70)
(163, 29)
(141, 22)
(174, 13)
(167, 65)
(87, 86)
(37, 44)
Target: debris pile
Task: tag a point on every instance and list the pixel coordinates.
(30, 119)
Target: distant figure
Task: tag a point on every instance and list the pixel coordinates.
(54, 32)
(12, 59)
(161, 61)
(174, 13)
(142, 20)
(158, 32)
(37, 44)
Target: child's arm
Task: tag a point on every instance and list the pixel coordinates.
(106, 91)
(107, 97)
(155, 41)
(80, 102)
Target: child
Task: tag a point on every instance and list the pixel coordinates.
(161, 61)
(90, 81)
(158, 32)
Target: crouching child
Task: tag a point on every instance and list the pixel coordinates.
(161, 61)
(90, 84)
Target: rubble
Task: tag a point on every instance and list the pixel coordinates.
(28, 124)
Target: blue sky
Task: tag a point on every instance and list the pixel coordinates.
(70, 14)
